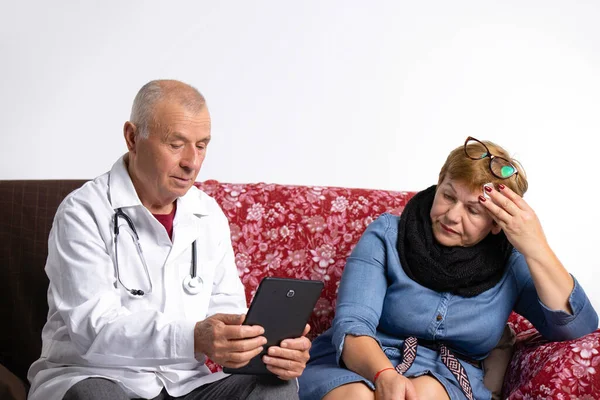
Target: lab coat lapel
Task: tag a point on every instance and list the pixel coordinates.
(191, 208)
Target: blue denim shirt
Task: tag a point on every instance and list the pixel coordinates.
(376, 298)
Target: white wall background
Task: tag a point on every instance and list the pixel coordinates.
(341, 93)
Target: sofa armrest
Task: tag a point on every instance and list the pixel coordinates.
(11, 387)
(542, 369)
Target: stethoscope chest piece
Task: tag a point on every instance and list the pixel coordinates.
(192, 285)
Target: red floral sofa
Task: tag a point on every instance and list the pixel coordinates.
(307, 232)
(277, 230)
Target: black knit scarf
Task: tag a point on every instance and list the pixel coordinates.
(464, 271)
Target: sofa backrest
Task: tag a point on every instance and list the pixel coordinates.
(303, 232)
(27, 210)
(277, 230)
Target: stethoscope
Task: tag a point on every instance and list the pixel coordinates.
(192, 283)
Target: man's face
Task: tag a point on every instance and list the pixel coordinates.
(165, 165)
(457, 217)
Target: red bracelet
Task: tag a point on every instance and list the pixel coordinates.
(379, 372)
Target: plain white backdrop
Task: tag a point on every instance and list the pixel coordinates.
(339, 93)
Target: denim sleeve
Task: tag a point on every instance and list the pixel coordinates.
(362, 287)
(554, 325)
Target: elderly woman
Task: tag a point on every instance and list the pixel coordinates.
(425, 297)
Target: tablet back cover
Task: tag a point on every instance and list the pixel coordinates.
(282, 306)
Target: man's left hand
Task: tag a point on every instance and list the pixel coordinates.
(289, 360)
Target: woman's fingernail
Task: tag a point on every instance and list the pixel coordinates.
(501, 186)
(488, 189)
(481, 198)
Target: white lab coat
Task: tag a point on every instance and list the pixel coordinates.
(95, 328)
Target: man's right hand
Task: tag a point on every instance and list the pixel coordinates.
(227, 342)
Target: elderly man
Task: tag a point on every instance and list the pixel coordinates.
(143, 283)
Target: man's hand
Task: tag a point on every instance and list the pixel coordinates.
(228, 343)
(289, 360)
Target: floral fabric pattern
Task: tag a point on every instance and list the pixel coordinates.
(552, 370)
(307, 232)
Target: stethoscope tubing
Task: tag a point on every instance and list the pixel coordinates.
(191, 283)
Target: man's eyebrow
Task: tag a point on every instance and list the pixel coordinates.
(174, 136)
(179, 136)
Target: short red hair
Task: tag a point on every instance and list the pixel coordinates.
(475, 173)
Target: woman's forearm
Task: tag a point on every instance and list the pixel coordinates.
(363, 355)
(552, 281)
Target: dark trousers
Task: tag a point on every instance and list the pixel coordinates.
(234, 387)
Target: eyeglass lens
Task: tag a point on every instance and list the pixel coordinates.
(476, 150)
(501, 167)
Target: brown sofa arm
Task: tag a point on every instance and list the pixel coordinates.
(542, 369)
(11, 387)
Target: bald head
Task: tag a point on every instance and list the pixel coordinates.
(163, 91)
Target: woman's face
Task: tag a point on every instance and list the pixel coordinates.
(457, 217)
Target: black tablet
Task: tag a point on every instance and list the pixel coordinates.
(282, 306)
